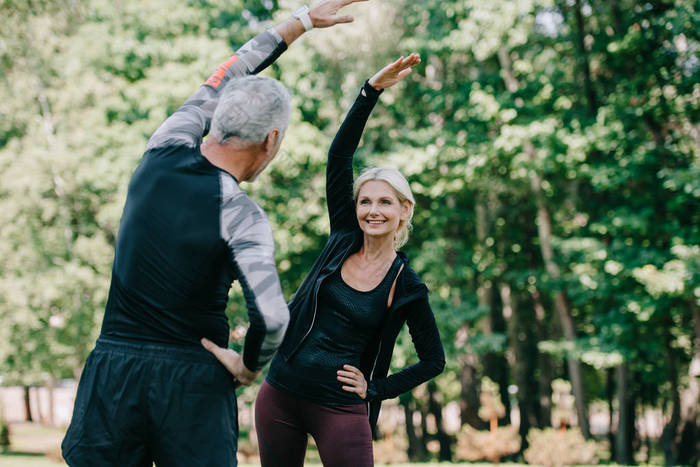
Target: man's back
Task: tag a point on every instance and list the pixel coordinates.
(172, 267)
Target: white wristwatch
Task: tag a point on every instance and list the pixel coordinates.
(302, 14)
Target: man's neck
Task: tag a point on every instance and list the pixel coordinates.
(238, 162)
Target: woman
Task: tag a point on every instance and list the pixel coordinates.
(330, 373)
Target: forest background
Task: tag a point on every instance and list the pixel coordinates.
(552, 146)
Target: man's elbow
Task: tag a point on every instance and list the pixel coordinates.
(276, 323)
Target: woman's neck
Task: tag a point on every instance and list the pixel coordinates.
(377, 249)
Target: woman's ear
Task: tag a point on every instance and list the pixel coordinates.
(406, 208)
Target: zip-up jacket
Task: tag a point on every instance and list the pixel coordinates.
(410, 303)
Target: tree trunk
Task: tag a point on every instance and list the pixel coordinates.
(561, 302)
(544, 231)
(669, 432)
(617, 17)
(583, 60)
(425, 436)
(469, 399)
(27, 405)
(52, 403)
(435, 408)
(416, 449)
(544, 363)
(689, 446)
(623, 440)
(610, 393)
(524, 355)
(495, 364)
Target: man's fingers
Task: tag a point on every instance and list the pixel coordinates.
(209, 345)
(405, 72)
(348, 2)
(343, 19)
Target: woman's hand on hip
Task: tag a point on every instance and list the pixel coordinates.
(394, 72)
(233, 362)
(353, 380)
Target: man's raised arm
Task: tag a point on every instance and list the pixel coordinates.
(190, 123)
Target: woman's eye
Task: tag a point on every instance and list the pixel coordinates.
(386, 201)
(364, 201)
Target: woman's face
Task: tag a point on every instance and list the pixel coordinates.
(379, 211)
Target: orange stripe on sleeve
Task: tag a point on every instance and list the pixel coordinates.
(215, 79)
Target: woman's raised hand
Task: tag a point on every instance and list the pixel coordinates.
(394, 72)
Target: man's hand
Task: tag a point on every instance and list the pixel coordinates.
(394, 72)
(233, 362)
(324, 13)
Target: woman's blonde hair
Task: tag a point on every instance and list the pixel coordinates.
(403, 192)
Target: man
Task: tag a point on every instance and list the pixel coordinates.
(149, 392)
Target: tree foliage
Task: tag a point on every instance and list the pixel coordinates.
(531, 126)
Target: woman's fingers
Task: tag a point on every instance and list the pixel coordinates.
(404, 73)
(353, 380)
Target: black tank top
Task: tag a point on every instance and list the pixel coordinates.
(346, 320)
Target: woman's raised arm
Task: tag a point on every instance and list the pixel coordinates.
(339, 176)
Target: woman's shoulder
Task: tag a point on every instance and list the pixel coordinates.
(411, 281)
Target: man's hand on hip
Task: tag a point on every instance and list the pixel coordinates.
(233, 362)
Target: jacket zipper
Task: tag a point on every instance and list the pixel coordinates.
(313, 319)
(379, 351)
(371, 373)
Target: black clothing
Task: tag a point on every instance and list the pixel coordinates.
(141, 402)
(346, 321)
(410, 303)
(149, 390)
(188, 231)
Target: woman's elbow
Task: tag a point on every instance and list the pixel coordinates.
(436, 366)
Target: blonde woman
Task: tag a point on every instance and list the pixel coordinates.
(330, 374)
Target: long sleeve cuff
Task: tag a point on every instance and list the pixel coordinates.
(371, 392)
(369, 91)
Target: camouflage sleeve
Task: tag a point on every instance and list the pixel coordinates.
(247, 232)
(190, 123)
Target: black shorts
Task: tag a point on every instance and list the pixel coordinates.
(139, 403)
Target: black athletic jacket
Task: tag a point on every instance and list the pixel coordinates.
(410, 304)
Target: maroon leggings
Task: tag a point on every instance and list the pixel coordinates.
(283, 421)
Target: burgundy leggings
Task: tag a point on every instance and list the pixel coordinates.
(283, 421)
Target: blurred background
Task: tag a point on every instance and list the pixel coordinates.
(553, 148)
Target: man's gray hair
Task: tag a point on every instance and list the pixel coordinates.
(249, 108)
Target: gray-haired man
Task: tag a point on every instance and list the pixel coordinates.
(149, 391)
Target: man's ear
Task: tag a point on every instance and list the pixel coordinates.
(271, 140)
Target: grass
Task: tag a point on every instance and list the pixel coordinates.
(31, 442)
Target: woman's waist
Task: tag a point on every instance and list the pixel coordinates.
(318, 368)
